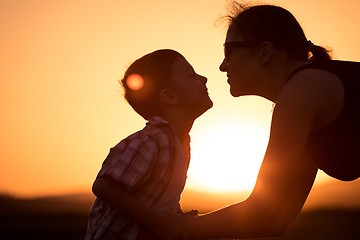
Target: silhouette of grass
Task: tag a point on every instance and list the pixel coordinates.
(44, 218)
(325, 224)
(58, 218)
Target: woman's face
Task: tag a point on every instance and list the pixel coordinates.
(241, 63)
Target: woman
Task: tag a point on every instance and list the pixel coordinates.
(314, 123)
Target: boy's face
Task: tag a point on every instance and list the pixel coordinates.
(190, 88)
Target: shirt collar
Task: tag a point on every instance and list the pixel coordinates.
(155, 120)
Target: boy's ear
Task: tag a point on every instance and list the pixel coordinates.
(168, 96)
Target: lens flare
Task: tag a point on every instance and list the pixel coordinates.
(135, 82)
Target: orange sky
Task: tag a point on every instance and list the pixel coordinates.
(61, 104)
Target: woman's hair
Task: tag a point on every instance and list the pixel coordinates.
(278, 26)
(145, 78)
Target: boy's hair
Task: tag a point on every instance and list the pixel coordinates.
(145, 78)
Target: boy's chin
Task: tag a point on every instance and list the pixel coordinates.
(209, 105)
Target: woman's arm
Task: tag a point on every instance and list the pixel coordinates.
(283, 184)
(286, 175)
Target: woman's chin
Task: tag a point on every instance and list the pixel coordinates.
(235, 93)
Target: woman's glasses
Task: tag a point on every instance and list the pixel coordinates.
(229, 46)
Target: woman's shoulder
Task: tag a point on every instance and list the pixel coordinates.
(308, 80)
(323, 76)
(316, 92)
(327, 79)
(342, 69)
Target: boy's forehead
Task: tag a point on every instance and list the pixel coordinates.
(182, 63)
(180, 68)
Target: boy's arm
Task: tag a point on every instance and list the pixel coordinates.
(119, 197)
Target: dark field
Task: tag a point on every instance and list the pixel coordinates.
(66, 218)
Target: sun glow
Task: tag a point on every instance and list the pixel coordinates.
(227, 158)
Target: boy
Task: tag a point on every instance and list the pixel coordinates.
(139, 185)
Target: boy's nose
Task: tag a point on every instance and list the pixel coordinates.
(203, 79)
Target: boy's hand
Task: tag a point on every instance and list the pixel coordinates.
(170, 227)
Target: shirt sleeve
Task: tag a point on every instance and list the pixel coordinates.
(130, 162)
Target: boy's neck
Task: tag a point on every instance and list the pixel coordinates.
(181, 125)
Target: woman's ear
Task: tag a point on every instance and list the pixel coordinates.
(167, 96)
(267, 51)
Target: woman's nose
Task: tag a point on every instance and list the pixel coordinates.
(223, 66)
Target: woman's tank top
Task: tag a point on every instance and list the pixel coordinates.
(336, 149)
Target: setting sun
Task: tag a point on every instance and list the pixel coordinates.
(227, 157)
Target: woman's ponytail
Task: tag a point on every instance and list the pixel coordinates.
(318, 53)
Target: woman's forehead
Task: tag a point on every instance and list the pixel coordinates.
(233, 34)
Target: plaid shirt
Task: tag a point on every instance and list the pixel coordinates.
(143, 162)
